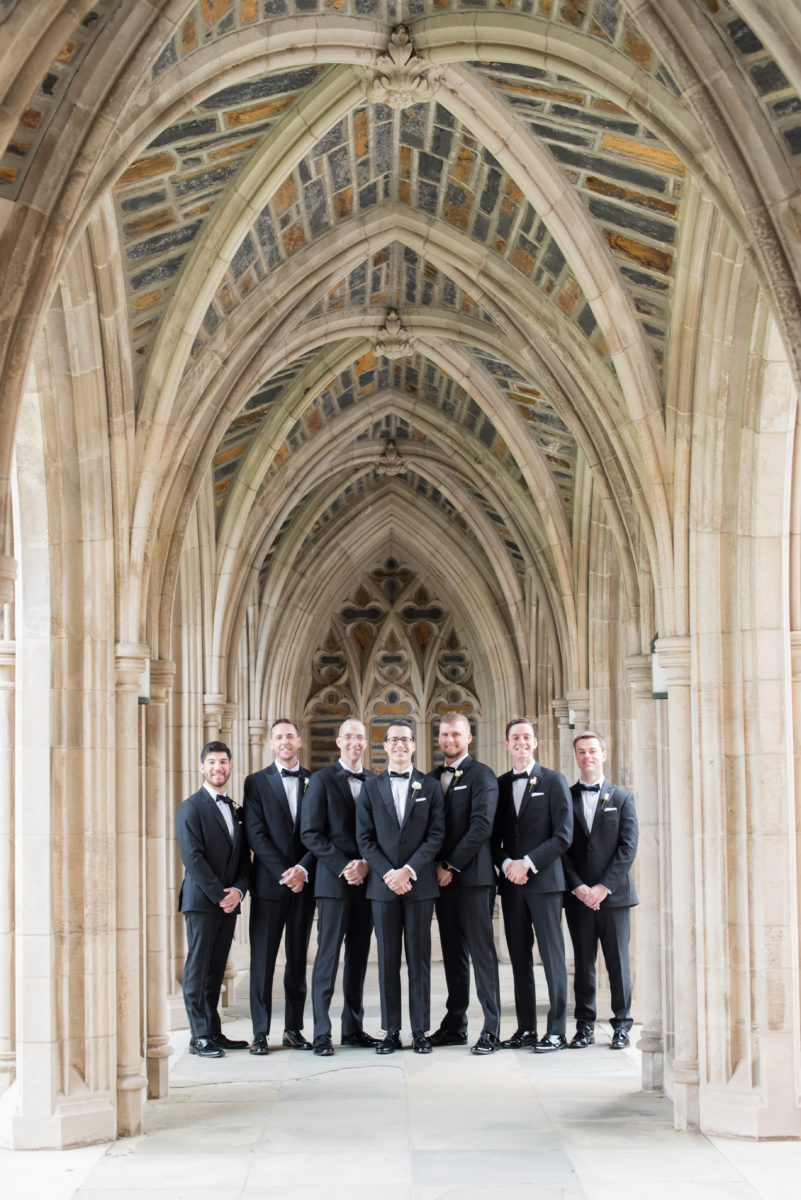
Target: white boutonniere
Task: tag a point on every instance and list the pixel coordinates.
(416, 788)
(604, 801)
(457, 775)
(532, 783)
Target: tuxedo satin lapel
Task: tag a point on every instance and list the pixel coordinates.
(578, 812)
(343, 787)
(276, 785)
(416, 777)
(217, 814)
(385, 791)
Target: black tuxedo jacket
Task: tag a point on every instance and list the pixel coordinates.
(605, 854)
(386, 846)
(328, 830)
(543, 830)
(470, 808)
(212, 861)
(271, 833)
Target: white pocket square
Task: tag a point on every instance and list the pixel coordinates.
(608, 810)
(461, 788)
(420, 799)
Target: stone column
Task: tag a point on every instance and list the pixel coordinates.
(648, 869)
(157, 840)
(682, 1077)
(7, 676)
(257, 731)
(578, 703)
(130, 661)
(561, 712)
(228, 715)
(213, 705)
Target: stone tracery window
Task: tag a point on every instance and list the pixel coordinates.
(391, 650)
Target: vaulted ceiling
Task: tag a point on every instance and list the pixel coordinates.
(426, 250)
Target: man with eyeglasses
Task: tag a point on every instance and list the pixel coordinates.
(328, 829)
(400, 824)
(282, 896)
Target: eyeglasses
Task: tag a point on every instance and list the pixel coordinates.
(400, 741)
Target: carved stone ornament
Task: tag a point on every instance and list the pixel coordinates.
(402, 78)
(394, 341)
(390, 462)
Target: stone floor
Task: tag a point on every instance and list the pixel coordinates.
(573, 1125)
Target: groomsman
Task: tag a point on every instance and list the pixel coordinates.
(328, 829)
(282, 898)
(400, 823)
(467, 886)
(216, 870)
(533, 829)
(598, 905)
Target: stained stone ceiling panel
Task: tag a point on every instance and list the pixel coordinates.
(552, 436)
(421, 157)
(164, 197)
(417, 377)
(778, 100)
(397, 276)
(630, 184)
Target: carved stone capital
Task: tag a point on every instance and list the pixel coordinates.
(394, 340)
(401, 77)
(391, 462)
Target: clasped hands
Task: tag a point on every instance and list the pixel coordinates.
(399, 880)
(593, 897)
(355, 872)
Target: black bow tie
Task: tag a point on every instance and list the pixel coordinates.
(360, 775)
(225, 800)
(520, 775)
(399, 774)
(590, 787)
(290, 774)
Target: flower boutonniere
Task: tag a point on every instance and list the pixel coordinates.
(532, 783)
(416, 786)
(604, 800)
(305, 782)
(457, 775)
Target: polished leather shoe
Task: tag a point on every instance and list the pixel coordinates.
(421, 1044)
(520, 1039)
(206, 1048)
(549, 1043)
(226, 1043)
(295, 1039)
(584, 1036)
(620, 1040)
(447, 1037)
(487, 1044)
(390, 1044)
(360, 1038)
(323, 1045)
(259, 1044)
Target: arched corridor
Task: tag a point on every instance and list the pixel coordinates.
(380, 357)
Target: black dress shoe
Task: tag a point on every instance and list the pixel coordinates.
(487, 1044)
(549, 1043)
(259, 1044)
(390, 1044)
(584, 1036)
(295, 1039)
(360, 1038)
(227, 1043)
(323, 1045)
(421, 1044)
(620, 1040)
(520, 1039)
(447, 1037)
(206, 1048)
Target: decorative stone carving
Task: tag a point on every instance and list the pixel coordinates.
(390, 462)
(402, 78)
(395, 341)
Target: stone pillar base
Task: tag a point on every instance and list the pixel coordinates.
(158, 1069)
(74, 1123)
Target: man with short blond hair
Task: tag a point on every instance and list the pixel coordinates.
(601, 891)
(282, 896)
(533, 829)
(467, 886)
